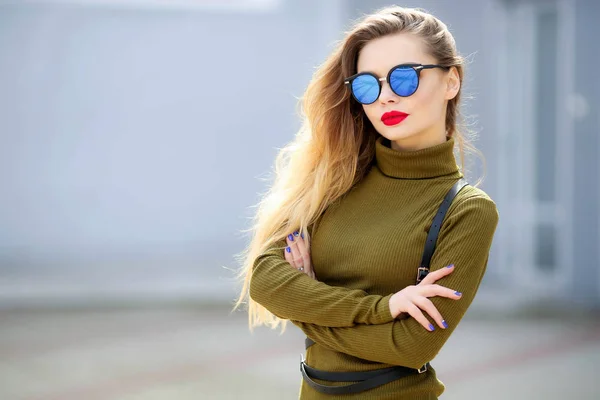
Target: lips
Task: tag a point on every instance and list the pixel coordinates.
(393, 117)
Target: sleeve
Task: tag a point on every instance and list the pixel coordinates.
(291, 294)
(465, 241)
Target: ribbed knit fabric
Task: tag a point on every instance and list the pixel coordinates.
(368, 246)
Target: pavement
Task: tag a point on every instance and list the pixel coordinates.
(206, 352)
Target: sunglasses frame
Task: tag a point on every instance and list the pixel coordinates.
(416, 67)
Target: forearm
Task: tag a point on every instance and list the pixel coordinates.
(403, 341)
(291, 294)
(378, 344)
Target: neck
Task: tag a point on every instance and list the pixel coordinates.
(430, 162)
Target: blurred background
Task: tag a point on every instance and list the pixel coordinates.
(136, 135)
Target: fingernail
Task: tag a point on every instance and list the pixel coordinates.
(431, 327)
(450, 266)
(444, 323)
(302, 235)
(288, 249)
(458, 293)
(291, 237)
(296, 233)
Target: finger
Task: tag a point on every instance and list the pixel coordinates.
(433, 276)
(288, 256)
(304, 253)
(416, 313)
(293, 244)
(438, 290)
(426, 305)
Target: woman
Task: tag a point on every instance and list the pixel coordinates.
(340, 236)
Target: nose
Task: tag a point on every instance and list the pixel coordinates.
(387, 95)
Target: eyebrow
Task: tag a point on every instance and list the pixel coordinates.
(395, 65)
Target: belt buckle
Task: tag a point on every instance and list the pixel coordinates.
(422, 272)
(422, 369)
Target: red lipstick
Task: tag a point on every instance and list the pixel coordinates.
(393, 117)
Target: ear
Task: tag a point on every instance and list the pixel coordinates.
(452, 83)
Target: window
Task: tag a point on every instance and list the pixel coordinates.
(546, 77)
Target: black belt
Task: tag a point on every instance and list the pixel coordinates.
(365, 379)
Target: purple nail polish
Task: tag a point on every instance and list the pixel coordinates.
(302, 235)
(288, 249)
(291, 237)
(431, 327)
(444, 323)
(296, 233)
(450, 266)
(458, 293)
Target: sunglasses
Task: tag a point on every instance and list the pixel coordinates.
(403, 80)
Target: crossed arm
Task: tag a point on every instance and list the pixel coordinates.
(356, 323)
(465, 240)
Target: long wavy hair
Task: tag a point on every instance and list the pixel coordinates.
(335, 146)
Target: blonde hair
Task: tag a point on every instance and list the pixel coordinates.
(335, 145)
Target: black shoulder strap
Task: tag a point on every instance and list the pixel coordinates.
(436, 225)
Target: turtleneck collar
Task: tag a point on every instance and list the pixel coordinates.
(430, 162)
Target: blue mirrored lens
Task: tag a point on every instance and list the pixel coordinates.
(365, 89)
(404, 81)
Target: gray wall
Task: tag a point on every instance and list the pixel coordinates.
(133, 140)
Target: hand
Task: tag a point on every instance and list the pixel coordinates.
(297, 254)
(415, 297)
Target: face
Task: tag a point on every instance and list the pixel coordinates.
(426, 108)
